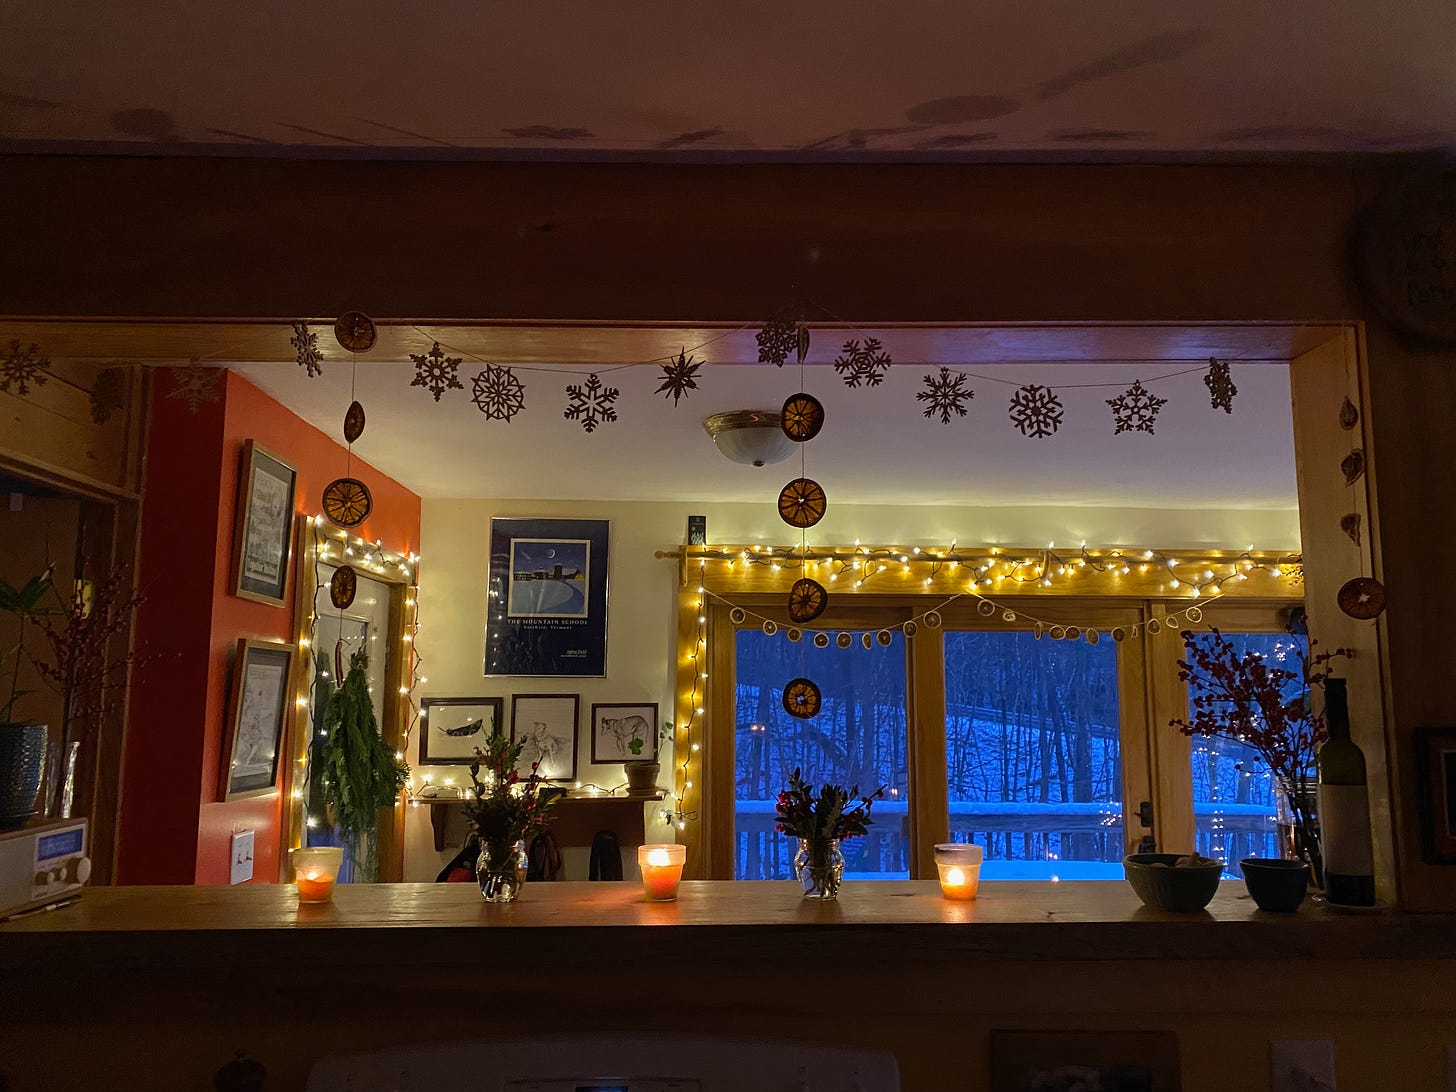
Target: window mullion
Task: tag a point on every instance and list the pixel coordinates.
(925, 748)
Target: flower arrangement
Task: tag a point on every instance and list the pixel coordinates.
(808, 815)
(1242, 698)
(504, 807)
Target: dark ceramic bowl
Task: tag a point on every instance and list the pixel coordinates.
(1275, 885)
(1163, 887)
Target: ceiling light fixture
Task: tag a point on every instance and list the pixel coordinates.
(750, 437)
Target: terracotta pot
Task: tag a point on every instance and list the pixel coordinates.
(641, 777)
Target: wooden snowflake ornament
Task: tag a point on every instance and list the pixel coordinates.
(305, 344)
(196, 385)
(591, 403)
(497, 393)
(436, 372)
(864, 364)
(679, 377)
(778, 338)
(1135, 409)
(22, 367)
(946, 395)
(1036, 411)
(1220, 384)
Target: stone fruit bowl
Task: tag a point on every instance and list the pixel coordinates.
(1163, 884)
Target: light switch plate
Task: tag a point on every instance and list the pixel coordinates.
(242, 867)
(1302, 1065)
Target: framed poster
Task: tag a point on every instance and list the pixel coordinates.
(257, 709)
(547, 612)
(546, 726)
(263, 526)
(451, 728)
(1436, 777)
(624, 732)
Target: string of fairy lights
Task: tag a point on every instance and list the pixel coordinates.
(971, 575)
(332, 545)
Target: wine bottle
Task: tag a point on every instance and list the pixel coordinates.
(1344, 807)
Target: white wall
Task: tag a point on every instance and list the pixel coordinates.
(455, 537)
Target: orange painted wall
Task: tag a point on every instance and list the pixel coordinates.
(174, 826)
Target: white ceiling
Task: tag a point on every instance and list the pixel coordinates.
(927, 78)
(876, 447)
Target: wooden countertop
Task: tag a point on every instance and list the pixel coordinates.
(712, 921)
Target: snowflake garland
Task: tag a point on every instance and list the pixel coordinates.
(1135, 409)
(679, 377)
(780, 337)
(305, 343)
(945, 395)
(1220, 384)
(591, 403)
(195, 385)
(23, 367)
(497, 393)
(436, 372)
(1036, 411)
(865, 363)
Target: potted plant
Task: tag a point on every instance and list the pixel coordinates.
(506, 811)
(821, 819)
(1241, 697)
(642, 773)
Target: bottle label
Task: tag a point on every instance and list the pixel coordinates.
(1344, 817)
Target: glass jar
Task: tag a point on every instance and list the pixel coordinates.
(501, 870)
(1297, 817)
(820, 867)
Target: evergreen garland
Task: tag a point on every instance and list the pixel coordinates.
(360, 771)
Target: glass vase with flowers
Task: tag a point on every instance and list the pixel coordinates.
(822, 819)
(1241, 697)
(506, 810)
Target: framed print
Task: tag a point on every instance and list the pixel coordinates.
(548, 597)
(451, 728)
(263, 526)
(624, 732)
(1063, 1061)
(257, 706)
(1436, 772)
(546, 724)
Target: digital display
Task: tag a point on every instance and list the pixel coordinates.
(63, 843)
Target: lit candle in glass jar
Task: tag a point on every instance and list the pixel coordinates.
(662, 867)
(315, 870)
(959, 864)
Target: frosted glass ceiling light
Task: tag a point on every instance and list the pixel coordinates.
(750, 437)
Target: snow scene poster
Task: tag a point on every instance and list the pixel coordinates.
(546, 611)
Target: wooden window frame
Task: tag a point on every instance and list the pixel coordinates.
(1156, 759)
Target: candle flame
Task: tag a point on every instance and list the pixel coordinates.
(955, 877)
(658, 858)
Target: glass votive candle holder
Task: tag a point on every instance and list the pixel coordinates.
(662, 867)
(315, 869)
(959, 864)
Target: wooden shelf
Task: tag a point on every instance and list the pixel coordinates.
(575, 822)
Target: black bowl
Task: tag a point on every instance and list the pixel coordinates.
(1275, 885)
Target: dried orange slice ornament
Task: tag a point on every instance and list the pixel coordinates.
(807, 600)
(802, 503)
(803, 417)
(802, 698)
(347, 502)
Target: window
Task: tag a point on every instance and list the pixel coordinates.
(857, 738)
(1034, 755)
(1234, 795)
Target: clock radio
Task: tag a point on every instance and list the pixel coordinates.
(41, 864)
